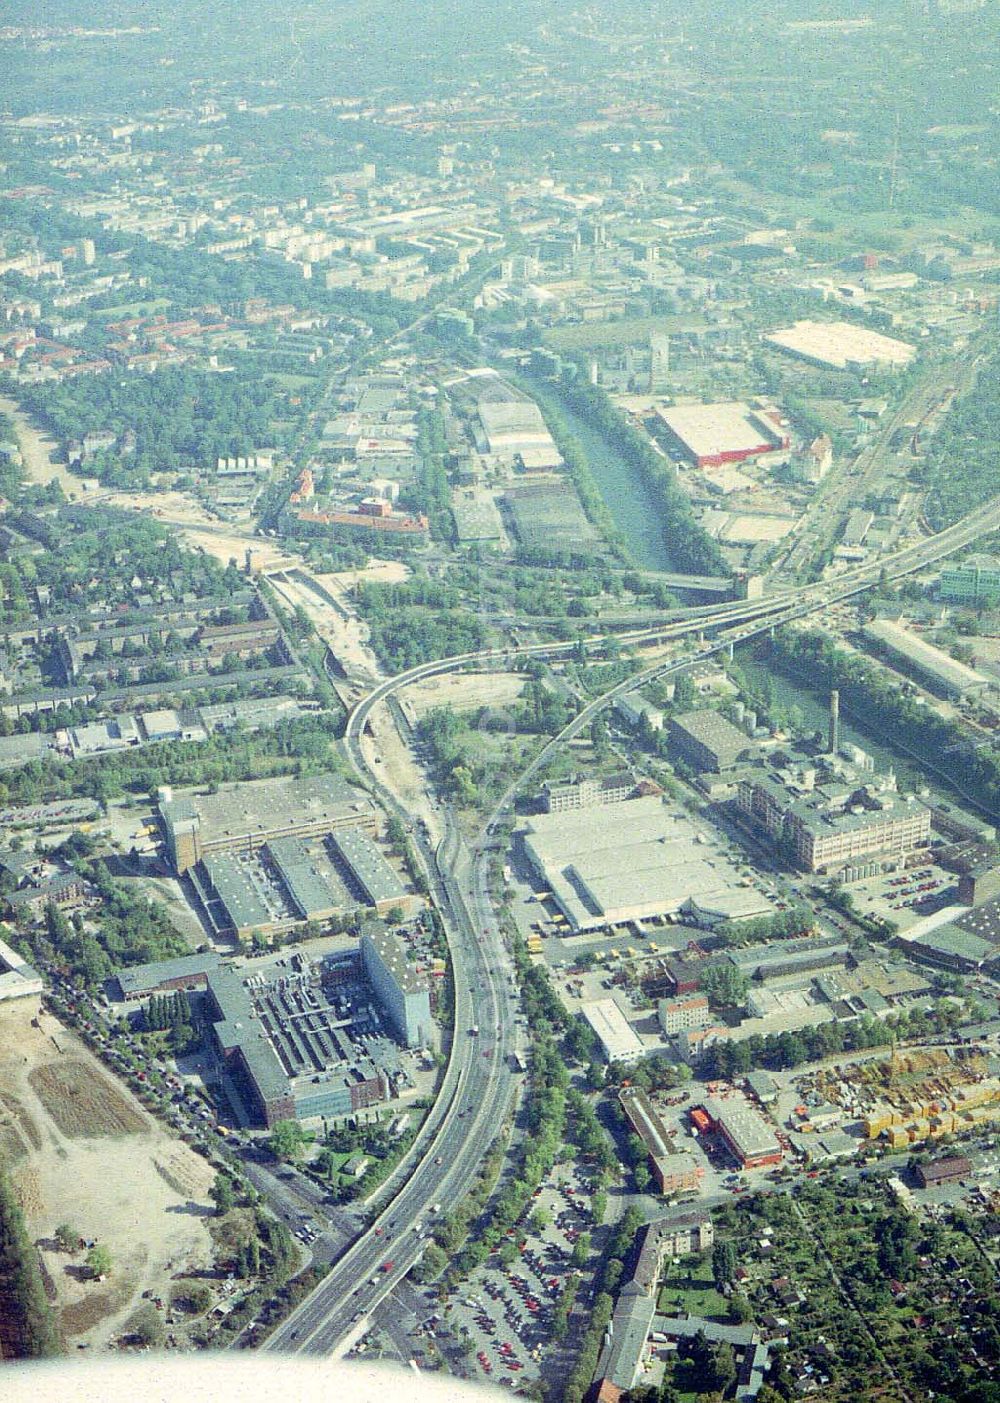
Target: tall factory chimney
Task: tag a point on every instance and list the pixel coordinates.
(834, 722)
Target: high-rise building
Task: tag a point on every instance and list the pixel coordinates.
(659, 363)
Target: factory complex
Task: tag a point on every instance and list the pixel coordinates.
(833, 818)
(652, 861)
(263, 859)
(310, 1042)
(747, 1135)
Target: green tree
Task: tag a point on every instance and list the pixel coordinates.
(98, 1260)
(288, 1140)
(67, 1237)
(724, 1261)
(222, 1193)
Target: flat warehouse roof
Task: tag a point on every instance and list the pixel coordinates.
(379, 880)
(747, 1129)
(730, 427)
(645, 861)
(840, 344)
(234, 888)
(618, 1038)
(908, 645)
(267, 807)
(310, 887)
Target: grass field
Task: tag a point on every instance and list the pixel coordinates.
(632, 331)
(691, 1291)
(135, 309)
(81, 1103)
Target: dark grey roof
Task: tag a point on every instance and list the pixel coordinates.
(231, 883)
(311, 889)
(141, 979)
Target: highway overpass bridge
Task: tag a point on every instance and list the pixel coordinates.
(475, 1093)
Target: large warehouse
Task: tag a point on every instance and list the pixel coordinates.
(942, 673)
(514, 428)
(246, 816)
(619, 1040)
(710, 435)
(841, 346)
(651, 861)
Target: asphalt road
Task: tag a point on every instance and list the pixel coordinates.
(478, 1084)
(472, 1105)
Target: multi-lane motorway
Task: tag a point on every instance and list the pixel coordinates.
(478, 1085)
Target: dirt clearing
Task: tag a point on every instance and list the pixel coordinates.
(465, 691)
(82, 1102)
(82, 1151)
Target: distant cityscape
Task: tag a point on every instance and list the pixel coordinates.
(500, 695)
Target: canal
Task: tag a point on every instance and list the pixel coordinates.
(814, 706)
(635, 510)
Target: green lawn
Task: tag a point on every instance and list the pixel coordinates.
(684, 1292)
(134, 309)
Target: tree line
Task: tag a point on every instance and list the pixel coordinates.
(27, 1325)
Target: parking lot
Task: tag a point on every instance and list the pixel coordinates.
(502, 1315)
(903, 897)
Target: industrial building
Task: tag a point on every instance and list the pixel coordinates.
(364, 864)
(314, 887)
(548, 516)
(235, 896)
(841, 346)
(674, 1172)
(706, 740)
(974, 581)
(514, 428)
(400, 987)
(619, 1040)
(953, 947)
(828, 816)
(587, 793)
(293, 1047)
(748, 1136)
(290, 880)
(247, 816)
(712, 435)
(652, 861)
(17, 978)
(245, 1049)
(942, 673)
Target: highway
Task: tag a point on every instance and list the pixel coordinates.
(472, 1105)
(477, 1089)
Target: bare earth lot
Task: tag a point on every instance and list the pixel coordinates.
(466, 691)
(82, 1151)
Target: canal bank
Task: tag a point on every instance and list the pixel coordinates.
(799, 694)
(632, 505)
